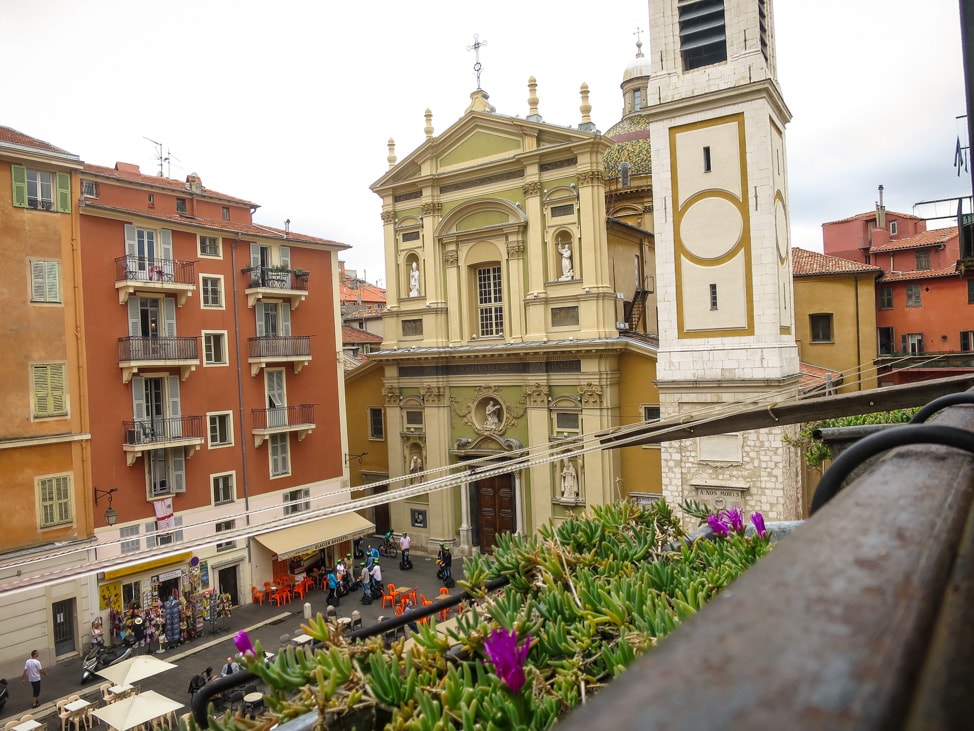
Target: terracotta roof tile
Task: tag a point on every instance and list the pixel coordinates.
(13, 137)
(872, 214)
(927, 238)
(130, 173)
(814, 378)
(922, 274)
(805, 263)
(355, 335)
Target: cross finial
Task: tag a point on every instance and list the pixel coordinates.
(477, 45)
(639, 42)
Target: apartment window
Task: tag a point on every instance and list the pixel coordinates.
(45, 281)
(49, 396)
(912, 343)
(221, 429)
(150, 200)
(212, 291)
(54, 494)
(821, 327)
(133, 544)
(180, 205)
(223, 491)
(651, 413)
(89, 188)
(209, 246)
(490, 301)
(923, 261)
(156, 536)
(713, 296)
(967, 341)
(567, 422)
(377, 424)
(913, 295)
(885, 298)
(225, 526)
(970, 291)
(226, 213)
(892, 228)
(297, 501)
(40, 189)
(885, 339)
(637, 99)
(165, 470)
(702, 33)
(413, 418)
(280, 462)
(706, 159)
(214, 348)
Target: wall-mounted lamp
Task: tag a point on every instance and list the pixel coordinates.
(350, 457)
(110, 515)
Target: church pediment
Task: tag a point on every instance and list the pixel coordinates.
(480, 146)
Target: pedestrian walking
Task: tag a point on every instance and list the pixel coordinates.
(33, 672)
(404, 543)
(333, 597)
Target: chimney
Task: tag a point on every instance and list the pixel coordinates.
(880, 211)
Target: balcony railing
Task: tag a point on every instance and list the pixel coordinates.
(299, 418)
(275, 282)
(138, 351)
(294, 349)
(140, 273)
(141, 435)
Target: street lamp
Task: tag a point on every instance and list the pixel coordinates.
(110, 515)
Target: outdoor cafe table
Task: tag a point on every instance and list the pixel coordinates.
(28, 725)
(302, 639)
(75, 706)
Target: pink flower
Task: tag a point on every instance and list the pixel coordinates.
(718, 526)
(758, 520)
(735, 519)
(243, 643)
(508, 657)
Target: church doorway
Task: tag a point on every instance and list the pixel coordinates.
(493, 504)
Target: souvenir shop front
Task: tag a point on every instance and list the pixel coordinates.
(160, 603)
(298, 550)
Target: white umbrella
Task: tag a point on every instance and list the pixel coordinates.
(136, 710)
(135, 669)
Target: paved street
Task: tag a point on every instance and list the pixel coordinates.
(266, 623)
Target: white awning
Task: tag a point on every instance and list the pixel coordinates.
(315, 535)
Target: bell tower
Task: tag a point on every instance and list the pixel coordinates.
(717, 125)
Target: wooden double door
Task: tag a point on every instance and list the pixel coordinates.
(492, 505)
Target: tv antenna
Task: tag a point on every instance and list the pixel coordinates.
(162, 159)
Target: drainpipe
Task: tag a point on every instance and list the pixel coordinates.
(245, 475)
(858, 341)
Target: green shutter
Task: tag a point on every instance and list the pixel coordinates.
(58, 401)
(63, 193)
(19, 175)
(42, 391)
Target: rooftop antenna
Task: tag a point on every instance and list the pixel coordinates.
(477, 45)
(160, 157)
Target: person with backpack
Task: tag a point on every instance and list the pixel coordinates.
(333, 597)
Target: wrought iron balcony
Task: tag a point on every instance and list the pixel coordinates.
(142, 435)
(163, 276)
(141, 352)
(269, 349)
(276, 282)
(299, 418)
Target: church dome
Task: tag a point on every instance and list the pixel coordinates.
(632, 145)
(638, 67)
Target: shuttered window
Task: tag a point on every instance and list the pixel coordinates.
(45, 281)
(49, 396)
(55, 500)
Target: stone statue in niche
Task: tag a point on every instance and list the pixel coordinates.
(569, 480)
(415, 466)
(567, 271)
(414, 280)
(492, 414)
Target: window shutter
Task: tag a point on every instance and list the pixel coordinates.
(58, 404)
(62, 498)
(286, 256)
(38, 286)
(965, 341)
(135, 321)
(18, 173)
(175, 410)
(904, 347)
(254, 255)
(178, 470)
(165, 241)
(42, 390)
(138, 398)
(285, 320)
(53, 277)
(259, 309)
(169, 316)
(63, 193)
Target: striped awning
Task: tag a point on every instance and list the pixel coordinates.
(315, 535)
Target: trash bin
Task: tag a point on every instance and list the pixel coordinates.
(307, 610)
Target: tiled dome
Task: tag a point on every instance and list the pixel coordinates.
(631, 137)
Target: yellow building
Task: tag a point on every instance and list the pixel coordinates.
(44, 441)
(520, 322)
(835, 317)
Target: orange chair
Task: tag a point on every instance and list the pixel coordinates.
(388, 597)
(257, 595)
(424, 601)
(444, 591)
(301, 589)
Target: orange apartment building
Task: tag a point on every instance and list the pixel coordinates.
(213, 356)
(924, 302)
(44, 441)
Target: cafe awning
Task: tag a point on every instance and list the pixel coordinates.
(315, 535)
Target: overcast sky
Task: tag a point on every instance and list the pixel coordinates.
(290, 103)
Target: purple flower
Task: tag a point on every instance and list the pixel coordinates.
(243, 643)
(718, 526)
(735, 519)
(508, 657)
(758, 521)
